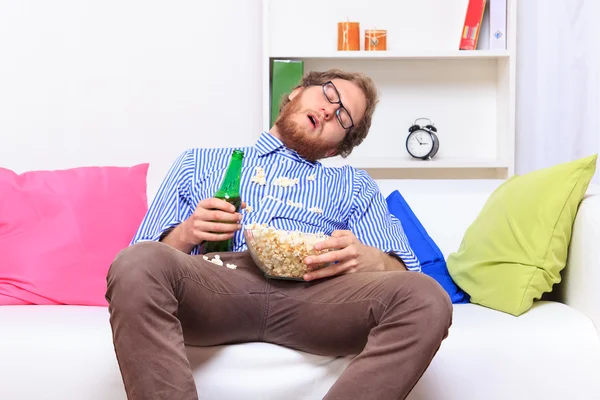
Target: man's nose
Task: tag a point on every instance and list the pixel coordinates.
(329, 111)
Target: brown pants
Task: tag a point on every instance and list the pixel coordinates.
(162, 299)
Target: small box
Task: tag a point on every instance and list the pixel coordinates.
(348, 36)
(375, 39)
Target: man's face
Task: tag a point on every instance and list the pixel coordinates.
(309, 124)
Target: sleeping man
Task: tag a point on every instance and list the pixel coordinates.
(373, 302)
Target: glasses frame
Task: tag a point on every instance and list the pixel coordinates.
(341, 106)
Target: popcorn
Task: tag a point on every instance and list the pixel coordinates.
(273, 198)
(249, 208)
(312, 177)
(282, 253)
(286, 182)
(259, 176)
(216, 259)
(291, 203)
(316, 210)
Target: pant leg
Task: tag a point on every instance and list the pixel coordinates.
(394, 322)
(161, 299)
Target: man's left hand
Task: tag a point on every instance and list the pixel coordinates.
(349, 253)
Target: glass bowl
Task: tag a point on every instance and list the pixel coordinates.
(280, 253)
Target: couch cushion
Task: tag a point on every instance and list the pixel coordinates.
(516, 248)
(60, 230)
(57, 352)
(551, 352)
(430, 256)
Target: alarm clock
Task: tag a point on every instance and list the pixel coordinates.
(422, 142)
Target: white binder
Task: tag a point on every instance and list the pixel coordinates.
(497, 20)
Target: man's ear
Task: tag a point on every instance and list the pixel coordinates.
(332, 153)
(295, 92)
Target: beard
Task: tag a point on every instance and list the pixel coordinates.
(297, 137)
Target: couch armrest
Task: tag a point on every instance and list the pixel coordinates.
(581, 285)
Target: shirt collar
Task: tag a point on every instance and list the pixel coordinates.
(267, 144)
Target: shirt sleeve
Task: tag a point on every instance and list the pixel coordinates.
(170, 206)
(373, 224)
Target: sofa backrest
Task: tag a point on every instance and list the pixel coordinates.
(445, 207)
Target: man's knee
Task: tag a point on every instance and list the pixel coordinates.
(426, 296)
(134, 265)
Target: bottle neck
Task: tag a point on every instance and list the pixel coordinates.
(230, 187)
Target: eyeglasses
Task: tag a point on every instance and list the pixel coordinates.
(333, 96)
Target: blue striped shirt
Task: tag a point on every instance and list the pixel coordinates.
(282, 190)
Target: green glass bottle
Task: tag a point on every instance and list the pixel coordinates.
(230, 192)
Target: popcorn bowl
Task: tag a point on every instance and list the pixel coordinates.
(280, 253)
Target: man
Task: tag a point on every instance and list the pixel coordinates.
(164, 294)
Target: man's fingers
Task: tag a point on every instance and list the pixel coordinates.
(216, 227)
(329, 257)
(214, 237)
(217, 204)
(216, 215)
(334, 243)
(326, 272)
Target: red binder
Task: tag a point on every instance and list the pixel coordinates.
(472, 26)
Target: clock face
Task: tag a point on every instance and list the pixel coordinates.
(419, 143)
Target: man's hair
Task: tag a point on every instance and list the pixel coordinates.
(358, 133)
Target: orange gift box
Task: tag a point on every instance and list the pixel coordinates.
(375, 39)
(348, 36)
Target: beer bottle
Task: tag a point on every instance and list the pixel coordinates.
(230, 192)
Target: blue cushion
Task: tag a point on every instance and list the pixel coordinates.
(429, 254)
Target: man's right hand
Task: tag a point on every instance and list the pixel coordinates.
(213, 220)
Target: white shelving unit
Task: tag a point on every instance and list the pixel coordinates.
(399, 55)
(468, 95)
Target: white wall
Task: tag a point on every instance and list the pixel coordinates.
(87, 82)
(558, 80)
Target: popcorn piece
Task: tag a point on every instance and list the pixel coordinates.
(291, 203)
(312, 177)
(259, 176)
(216, 260)
(249, 208)
(316, 210)
(273, 198)
(286, 182)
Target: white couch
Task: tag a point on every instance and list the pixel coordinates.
(551, 352)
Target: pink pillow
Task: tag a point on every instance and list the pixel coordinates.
(60, 231)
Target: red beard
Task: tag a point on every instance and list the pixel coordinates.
(299, 138)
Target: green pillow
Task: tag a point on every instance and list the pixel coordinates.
(517, 246)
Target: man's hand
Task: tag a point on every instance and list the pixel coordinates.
(351, 256)
(212, 220)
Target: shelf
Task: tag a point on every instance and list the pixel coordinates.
(404, 163)
(469, 95)
(401, 55)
